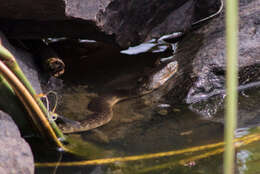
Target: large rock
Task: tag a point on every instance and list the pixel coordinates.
(26, 63)
(122, 22)
(15, 153)
(209, 62)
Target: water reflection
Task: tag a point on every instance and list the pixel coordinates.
(156, 45)
(240, 132)
(242, 158)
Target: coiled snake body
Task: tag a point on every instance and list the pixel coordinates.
(103, 106)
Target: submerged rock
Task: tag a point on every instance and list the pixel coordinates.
(15, 153)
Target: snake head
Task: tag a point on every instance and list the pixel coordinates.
(158, 77)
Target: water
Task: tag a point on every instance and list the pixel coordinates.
(138, 129)
(145, 125)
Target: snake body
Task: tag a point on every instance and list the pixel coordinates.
(102, 107)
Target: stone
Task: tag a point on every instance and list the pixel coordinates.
(121, 22)
(14, 107)
(26, 63)
(209, 62)
(15, 154)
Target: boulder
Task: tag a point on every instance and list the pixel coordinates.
(26, 63)
(29, 68)
(209, 62)
(15, 154)
(121, 22)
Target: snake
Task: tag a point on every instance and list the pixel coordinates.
(102, 106)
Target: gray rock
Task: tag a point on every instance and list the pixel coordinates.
(26, 63)
(209, 63)
(121, 22)
(15, 153)
(15, 108)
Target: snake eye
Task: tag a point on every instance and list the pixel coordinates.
(140, 79)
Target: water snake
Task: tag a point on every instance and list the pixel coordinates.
(102, 106)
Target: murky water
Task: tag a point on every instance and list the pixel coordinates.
(145, 125)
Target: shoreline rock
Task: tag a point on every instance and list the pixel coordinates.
(15, 153)
(209, 64)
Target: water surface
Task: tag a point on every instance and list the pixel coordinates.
(144, 125)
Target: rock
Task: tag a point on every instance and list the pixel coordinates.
(209, 64)
(157, 18)
(121, 22)
(26, 63)
(15, 108)
(15, 153)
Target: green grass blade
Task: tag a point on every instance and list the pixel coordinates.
(231, 82)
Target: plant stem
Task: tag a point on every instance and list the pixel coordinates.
(231, 82)
(9, 60)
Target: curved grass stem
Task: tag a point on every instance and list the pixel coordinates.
(9, 68)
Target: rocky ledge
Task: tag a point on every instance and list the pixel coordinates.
(121, 22)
